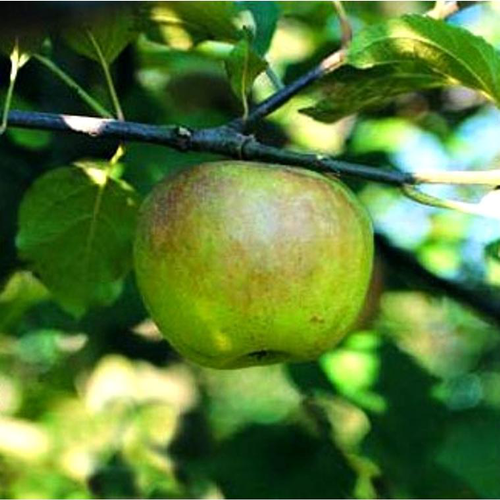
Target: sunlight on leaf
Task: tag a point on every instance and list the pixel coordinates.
(402, 55)
(23, 440)
(182, 24)
(243, 66)
(112, 32)
(354, 369)
(77, 235)
(450, 51)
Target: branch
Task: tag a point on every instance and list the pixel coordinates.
(281, 97)
(482, 300)
(66, 79)
(443, 9)
(345, 25)
(229, 142)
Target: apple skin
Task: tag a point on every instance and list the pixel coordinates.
(243, 264)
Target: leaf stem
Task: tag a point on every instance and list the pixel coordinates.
(345, 25)
(481, 177)
(281, 97)
(72, 84)
(432, 201)
(14, 68)
(107, 76)
(274, 79)
(443, 9)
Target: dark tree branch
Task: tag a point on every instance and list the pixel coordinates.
(281, 97)
(229, 142)
(483, 300)
(221, 140)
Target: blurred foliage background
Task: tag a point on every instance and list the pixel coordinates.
(407, 406)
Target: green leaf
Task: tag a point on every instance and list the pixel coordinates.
(21, 292)
(202, 20)
(492, 250)
(112, 33)
(265, 15)
(405, 433)
(248, 465)
(350, 90)
(403, 55)
(243, 66)
(458, 56)
(469, 452)
(75, 228)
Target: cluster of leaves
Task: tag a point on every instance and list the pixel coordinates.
(95, 404)
(403, 55)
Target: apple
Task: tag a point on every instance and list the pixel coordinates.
(243, 264)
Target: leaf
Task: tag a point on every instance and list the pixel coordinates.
(469, 451)
(458, 56)
(405, 433)
(403, 55)
(492, 250)
(112, 33)
(265, 15)
(248, 464)
(21, 292)
(243, 66)
(350, 90)
(75, 228)
(202, 20)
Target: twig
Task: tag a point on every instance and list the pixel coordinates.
(481, 299)
(231, 143)
(459, 206)
(345, 25)
(72, 84)
(222, 140)
(443, 9)
(14, 68)
(282, 96)
(274, 79)
(107, 75)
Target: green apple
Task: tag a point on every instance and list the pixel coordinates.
(243, 264)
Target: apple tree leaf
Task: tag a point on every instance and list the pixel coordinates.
(243, 66)
(460, 57)
(492, 250)
(265, 16)
(112, 33)
(468, 452)
(21, 292)
(350, 90)
(75, 229)
(202, 20)
(407, 54)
